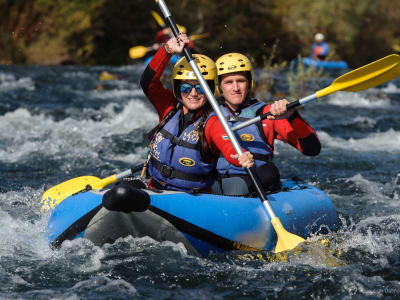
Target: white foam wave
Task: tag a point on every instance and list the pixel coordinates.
(365, 121)
(361, 237)
(115, 94)
(77, 75)
(376, 192)
(391, 88)
(359, 100)
(25, 133)
(10, 82)
(388, 141)
(17, 234)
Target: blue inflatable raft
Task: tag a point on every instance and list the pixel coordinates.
(204, 223)
(325, 64)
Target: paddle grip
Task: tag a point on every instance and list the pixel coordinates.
(263, 116)
(288, 106)
(172, 24)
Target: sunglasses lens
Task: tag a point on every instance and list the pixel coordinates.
(199, 89)
(186, 88)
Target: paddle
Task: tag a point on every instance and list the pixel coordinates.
(286, 240)
(140, 51)
(55, 195)
(363, 78)
(158, 19)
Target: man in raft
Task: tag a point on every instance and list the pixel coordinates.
(235, 76)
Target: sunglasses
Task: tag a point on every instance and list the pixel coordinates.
(186, 88)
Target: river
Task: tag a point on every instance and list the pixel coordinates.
(56, 124)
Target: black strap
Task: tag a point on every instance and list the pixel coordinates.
(170, 172)
(262, 157)
(177, 141)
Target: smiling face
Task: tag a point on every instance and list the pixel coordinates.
(234, 87)
(193, 100)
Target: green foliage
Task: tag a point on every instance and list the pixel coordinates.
(102, 31)
(302, 79)
(265, 86)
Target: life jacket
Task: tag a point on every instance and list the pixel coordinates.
(251, 138)
(176, 162)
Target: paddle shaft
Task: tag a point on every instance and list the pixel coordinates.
(131, 171)
(363, 78)
(186, 51)
(291, 105)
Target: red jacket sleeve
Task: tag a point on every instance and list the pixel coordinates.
(218, 140)
(162, 99)
(295, 131)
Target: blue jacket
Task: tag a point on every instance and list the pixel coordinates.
(319, 49)
(176, 162)
(251, 138)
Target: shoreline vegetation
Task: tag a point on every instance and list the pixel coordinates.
(100, 32)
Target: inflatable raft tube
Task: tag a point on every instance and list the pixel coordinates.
(204, 223)
(325, 64)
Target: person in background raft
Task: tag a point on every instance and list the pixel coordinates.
(165, 34)
(235, 76)
(320, 48)
(186, 143)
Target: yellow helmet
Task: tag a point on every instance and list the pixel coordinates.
(235, 62)
(183, 71)
(181, 28)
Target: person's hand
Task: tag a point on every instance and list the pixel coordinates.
(175, 45)
(246, 160)
(278, 110)
(156, 46)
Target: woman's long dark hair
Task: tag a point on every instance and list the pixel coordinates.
(160, 125)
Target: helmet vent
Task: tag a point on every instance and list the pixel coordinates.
(179, 72)
(204, 73)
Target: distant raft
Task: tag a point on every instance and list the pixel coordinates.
(321, 64)
(203, 223)
(325, 64)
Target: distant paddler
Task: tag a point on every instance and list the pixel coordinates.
(162, 37)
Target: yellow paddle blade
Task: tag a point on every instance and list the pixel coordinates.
(199, 36)
(138, 52)
(158, 18)
(286, 240)
(365, 77)
(55, 195)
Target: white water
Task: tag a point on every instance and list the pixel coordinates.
(359, 100)
(9, 82)
(26, 133)
(388, 141)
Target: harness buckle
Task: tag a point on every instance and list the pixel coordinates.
(166, 171)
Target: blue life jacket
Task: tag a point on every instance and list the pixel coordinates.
(251, 138)
(176, 162)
